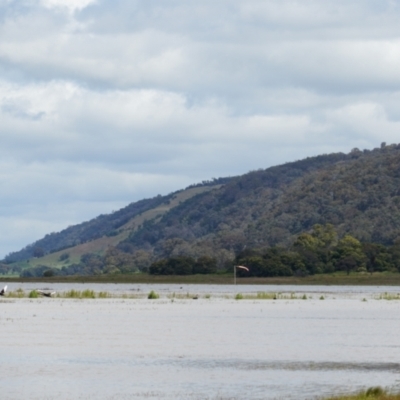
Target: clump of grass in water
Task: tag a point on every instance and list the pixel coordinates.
(322, 298)
(207, 296)
(19, 293)
(33, 294)
(104, 295)
(88, 294)
(373, 393)
(153, 295)
(73, 294)
(266, 296)
(389, 296)
(272, 296)
(239, 296)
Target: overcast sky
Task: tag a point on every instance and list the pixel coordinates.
(106, 102)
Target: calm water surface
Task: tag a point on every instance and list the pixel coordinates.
(210, 348)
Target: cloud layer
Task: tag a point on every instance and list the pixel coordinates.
(103, 103)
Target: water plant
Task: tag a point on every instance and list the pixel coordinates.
(373, 393)
(33, 294)
(272, 296)
(239, 296)
(19, 293)
(73, 294)
(266, 296)
(88, 294)
(389, 296)
(153, 295)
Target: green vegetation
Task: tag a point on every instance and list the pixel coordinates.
(33, 294)
(184, 266)
(19, 293)
(374, 393)
(77, 294)
(153, 295)
(270, 296)
(389, 296)
(96, 235)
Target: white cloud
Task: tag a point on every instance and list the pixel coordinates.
(70, 5)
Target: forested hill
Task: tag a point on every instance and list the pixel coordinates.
(358, 193)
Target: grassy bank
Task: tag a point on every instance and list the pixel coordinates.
(374, 393)
(390, 279)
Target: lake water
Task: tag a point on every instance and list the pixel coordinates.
(214, 347)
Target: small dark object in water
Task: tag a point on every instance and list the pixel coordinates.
(195, 297)
(3, 291)
(46, 294)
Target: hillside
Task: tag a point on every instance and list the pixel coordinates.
(96, 235)
(358, 193)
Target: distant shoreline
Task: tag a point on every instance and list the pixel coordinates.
(375, 279)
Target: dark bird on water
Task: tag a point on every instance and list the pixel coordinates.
(3, 291)
(46, 294)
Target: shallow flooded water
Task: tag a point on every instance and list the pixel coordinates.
(214, 347)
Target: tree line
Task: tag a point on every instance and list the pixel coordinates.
(314, 252)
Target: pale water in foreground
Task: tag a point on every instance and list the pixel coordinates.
(214, 347)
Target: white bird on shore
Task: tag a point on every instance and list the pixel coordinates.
(3, 291)
(46, 294)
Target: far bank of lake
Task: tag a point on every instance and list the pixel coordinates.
(367, 279)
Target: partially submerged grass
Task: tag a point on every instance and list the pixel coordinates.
(33, 294)
(269, 296)
(19, 293)
(182, 296)
(84, 294)
(153, 295)
(389, 296)
(373, 393)
(72, 294)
